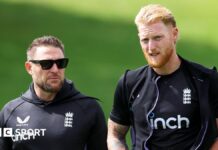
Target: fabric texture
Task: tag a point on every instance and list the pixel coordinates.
(130, 111)
(71, 121)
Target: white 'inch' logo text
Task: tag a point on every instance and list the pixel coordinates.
(177, 122)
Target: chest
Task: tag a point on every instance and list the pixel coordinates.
(166, 99)
(65, 123)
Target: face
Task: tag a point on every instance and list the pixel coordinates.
(50, 80)
(158, 42)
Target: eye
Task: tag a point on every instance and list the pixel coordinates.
(157, 38)
(145, 41)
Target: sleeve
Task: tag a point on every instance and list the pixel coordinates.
(98, 136)
(120, 111)
(5, 142)
(214, 93)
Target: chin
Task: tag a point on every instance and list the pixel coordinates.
(55, 86)
(155, 65)
(54, 89)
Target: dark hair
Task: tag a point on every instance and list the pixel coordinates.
(44, 41)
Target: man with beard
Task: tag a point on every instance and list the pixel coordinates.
(169, 104)
(52, 114)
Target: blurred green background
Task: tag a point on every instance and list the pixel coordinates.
(100, 39)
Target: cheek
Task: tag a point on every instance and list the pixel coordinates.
(37, 75)
(144, 51)
(146, 56)
(62, 73)
(143, 46)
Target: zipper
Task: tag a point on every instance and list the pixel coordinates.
(156, 100)
(202, 137)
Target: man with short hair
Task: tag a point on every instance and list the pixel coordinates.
(170, 104)
(52, 114)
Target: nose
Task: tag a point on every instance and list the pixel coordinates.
(54, 68)
(151, 45)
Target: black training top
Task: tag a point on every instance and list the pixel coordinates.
(70, 121)
(175, 111)
(175, 116)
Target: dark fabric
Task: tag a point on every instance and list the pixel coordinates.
(204, 80)
(71, 121)
(176, 114)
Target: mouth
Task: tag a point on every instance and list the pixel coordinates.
(54, 78)
(153, 54)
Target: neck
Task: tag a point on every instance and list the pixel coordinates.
(44, 95)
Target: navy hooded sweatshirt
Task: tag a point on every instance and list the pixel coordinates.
(71, 121)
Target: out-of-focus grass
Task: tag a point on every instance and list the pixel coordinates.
(100, 39)
(98, 49)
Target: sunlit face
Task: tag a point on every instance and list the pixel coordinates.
(50, 80)
(158, 43)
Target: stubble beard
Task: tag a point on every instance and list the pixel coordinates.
(49, 88)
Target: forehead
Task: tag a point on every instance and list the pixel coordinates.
(48, 52)
(152, 29)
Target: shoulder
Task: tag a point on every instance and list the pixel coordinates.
(13, 104)
(198, 69)
(89, 104)
(9, 108)
(127, 82)
(91, 110)
(136, 73)
(132, 76)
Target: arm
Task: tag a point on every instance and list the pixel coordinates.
(215, 106)
(116, 136)
(215, 144)
(5, 142)
(98, 135)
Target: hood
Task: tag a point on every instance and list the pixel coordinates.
(67, 93)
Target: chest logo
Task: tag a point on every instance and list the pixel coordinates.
(187, 96)
(68, 121)
(23, 122)
(177, 122)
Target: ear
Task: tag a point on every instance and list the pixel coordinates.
(28, 67)
(175, 34)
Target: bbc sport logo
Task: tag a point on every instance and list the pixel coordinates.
(6, 132)
(21, 134)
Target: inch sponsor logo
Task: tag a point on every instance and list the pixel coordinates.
(177, 122)
(27, 134)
